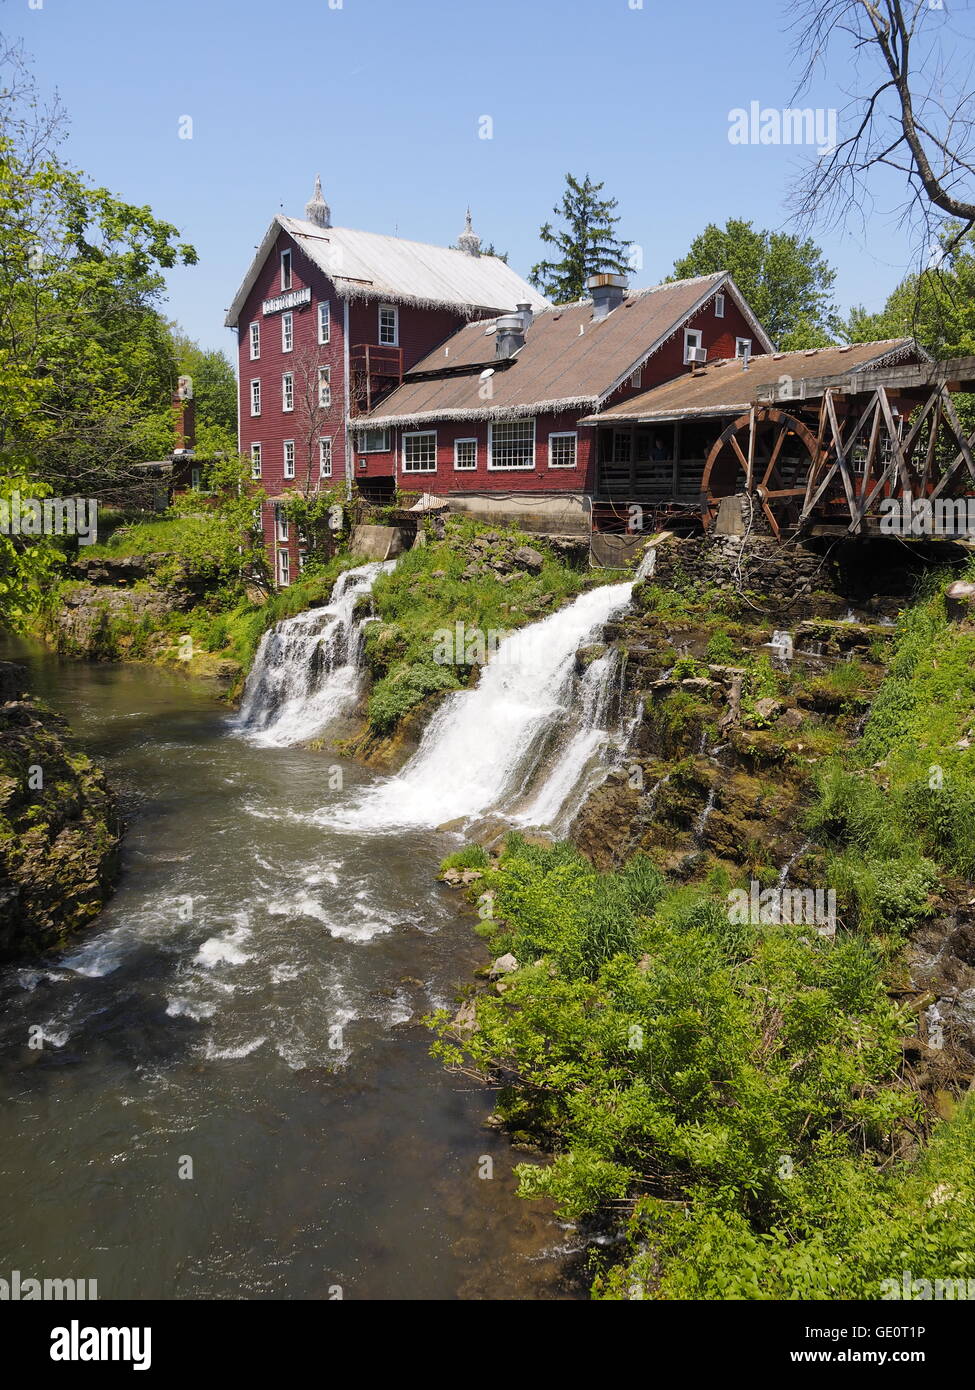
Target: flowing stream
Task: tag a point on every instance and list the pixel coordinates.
(234, 1096)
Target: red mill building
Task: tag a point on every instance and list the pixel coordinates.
(380, 363)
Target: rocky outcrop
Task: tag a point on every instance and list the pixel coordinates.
(59, 827)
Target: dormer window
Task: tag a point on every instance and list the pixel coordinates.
(285, 270)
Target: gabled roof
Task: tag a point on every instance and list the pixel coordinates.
(569, 360)
(367, 265)
(725, 388)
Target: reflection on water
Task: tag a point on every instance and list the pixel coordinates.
(247, 1008)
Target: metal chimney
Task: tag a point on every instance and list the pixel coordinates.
(527, 314)
(510, 335)
(608, 292)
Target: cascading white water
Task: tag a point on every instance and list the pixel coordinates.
(308, 669)
(483, 749)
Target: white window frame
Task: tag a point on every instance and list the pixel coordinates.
(418, 434)
(363, 448)
(259, 518)
(287, 331)
(465, 467)
(508, 467)
(281, 527)
(255, 395)
(394, 310)
(287, 271)
(254, 334)
(743, 343)
(693, 338)
(325, 388)
(564, 434)
(256, 461)
(288, 458)
(719, 306)
(324, 321)
(635, 378)
(287, 390)
(284, 569)
(325, 456)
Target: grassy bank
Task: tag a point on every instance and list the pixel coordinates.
(736, 1095)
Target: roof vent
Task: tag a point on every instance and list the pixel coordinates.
(527, 313)
(608, 292)
(510, 335)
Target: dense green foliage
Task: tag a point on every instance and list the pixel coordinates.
(786, 280)
(735, 1094)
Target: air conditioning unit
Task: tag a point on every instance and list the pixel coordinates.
(697, 355)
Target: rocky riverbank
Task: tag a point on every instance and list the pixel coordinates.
(59, 825)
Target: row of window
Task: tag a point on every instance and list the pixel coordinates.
(510, 447)
(323, 391)
(324, 458)
(388, 329)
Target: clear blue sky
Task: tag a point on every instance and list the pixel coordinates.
(383, 98)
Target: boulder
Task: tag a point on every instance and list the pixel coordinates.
(960, 600)
(504, 965)
(527, 558)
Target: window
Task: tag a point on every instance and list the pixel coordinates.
(465, 455)
(258, 519)
(388, 325)
(284, 568)
(302, 558)
(195, 479)
(286, 270)
(562, 450)
(511, 444)
(325, 457)
(374, 441)
(325, 387)
(324, 321)
(420, 452)
(288, 391)
(287, 332)
(289, 458)
(719, 306)
(256, 396)
(636, 378)
(692, 339)
(255, 341)
(743, 347)
(281, 523)
(255, 460)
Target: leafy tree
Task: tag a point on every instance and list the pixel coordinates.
(786, 281)
(214, 393)
(936, 306)
(587, 246)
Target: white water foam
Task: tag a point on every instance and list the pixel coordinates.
(480, 751)
(308, 669)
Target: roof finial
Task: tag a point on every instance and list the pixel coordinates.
(317, 210)
(468, 241)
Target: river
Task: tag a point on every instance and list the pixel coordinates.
(235, 1097)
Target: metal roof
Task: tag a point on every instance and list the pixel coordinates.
(569, 359)
(725, 388)
(369, 265)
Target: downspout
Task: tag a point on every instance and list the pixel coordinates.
(348, 403)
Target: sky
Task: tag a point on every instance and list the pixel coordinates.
(387, 100)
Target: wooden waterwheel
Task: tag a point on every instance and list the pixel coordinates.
(768, 454)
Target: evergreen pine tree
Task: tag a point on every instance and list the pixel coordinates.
(587, 246)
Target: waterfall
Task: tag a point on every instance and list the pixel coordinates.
(307, 670)
(520, 742)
